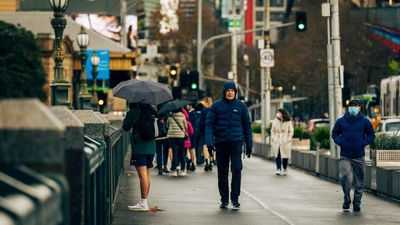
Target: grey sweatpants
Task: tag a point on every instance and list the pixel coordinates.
(352, 168)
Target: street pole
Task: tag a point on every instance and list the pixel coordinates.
(336, 60)
(247, 65)
(331, 81)
(123, 22)
(199, 27)
(234, 45)
(266, 77)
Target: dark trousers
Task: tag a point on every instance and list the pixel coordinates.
(279, 161)
(178, 152)
(229, 152)
(162, 152)
(199, 139)
(352, 169)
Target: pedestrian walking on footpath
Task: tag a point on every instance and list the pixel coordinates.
(190, 165)
(187, 145)
(227, 127)
(162, 144)
(352, 133)
(208, 156)
(281, 140)
(177, 135)
(140, 120)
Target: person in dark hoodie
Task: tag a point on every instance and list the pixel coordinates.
(352, 133)
(227, 127)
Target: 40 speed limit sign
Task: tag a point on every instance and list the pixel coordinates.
(267, 58)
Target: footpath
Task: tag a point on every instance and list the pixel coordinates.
(298, 198)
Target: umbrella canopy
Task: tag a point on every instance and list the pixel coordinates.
(173, 105)
(143, 91)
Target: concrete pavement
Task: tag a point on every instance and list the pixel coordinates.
(298, 198)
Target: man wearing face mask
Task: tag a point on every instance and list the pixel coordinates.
(227, 127)
(352, 133)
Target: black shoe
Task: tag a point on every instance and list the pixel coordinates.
(188, 164)
(160, 172)
(346, 207)
(193, 167)
(356, 208)
(236, 205)
(224, 205)
(165, 170)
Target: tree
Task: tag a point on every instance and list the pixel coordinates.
(21, 71)
(301, 57)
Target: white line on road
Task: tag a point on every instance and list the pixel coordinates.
(267, 208)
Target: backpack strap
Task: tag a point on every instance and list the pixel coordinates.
(179, 125)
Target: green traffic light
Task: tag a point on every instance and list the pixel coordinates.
(301, 26)
(194, 86)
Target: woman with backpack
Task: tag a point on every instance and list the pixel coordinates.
(140, 120)
(162, 144)
(177, 135)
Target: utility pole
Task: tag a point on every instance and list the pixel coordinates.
(335, 39)
(123, 21)
(331, 81)
(266, 77)
(234, 44)
(199, 27)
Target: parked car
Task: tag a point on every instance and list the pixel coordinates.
(389, 126)
(318, 122)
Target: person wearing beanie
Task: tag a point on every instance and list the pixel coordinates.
(228, 126)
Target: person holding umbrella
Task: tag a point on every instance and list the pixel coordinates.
(140, 120)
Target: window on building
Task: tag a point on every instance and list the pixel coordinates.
(259, 2)
(260, 32)
(276, 3)
(259, 15)
(276, 16)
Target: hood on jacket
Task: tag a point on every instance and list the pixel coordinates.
(229, 85)
(351, 118)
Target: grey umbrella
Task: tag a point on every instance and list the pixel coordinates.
(143, 91)
(173, 105)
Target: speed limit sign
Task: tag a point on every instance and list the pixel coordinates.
(267, 58)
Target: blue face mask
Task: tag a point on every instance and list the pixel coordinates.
(353, 110)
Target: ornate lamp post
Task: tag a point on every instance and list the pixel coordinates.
(247, 65)
(84, 96)
(59, 86)
(94, 60)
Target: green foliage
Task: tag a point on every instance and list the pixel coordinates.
(21, 71)
(256, 128)
(321, 136)
(386, 142)
(300, 133)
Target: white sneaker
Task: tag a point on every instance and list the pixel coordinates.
(138, 207)
(278, 172)
(284, 172)
(174, 173)
(183, 173)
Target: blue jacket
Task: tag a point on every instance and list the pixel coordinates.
(352, 134)
(228, 121)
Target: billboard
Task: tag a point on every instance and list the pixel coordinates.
(104, 65)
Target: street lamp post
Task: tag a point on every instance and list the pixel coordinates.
(94, 60)
(84, 96)
(59, 86)
(247, 65)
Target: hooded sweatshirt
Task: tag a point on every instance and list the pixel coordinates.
(228, 120)
(352, 134)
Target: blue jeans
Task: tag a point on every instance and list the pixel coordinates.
(228, 151)
(352, 169)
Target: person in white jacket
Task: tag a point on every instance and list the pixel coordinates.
(281, 140)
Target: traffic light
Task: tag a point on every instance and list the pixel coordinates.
(173, 71)
(184, 79)
(194, 80)
(301, 21)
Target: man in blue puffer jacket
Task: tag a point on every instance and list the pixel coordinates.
(227, 127)
(352, 133)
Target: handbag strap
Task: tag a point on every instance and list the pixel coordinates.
(178, 124)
